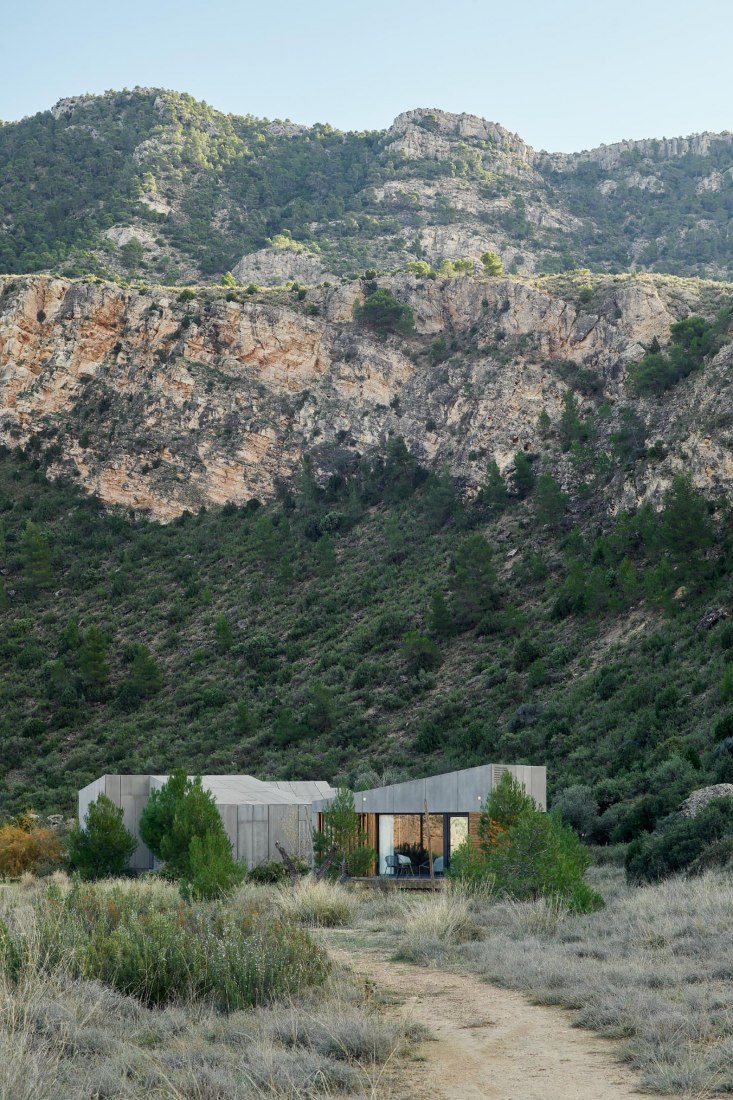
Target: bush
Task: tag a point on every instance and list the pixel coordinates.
(27, 849)
(102, 846)
(679, 843)
(175, 816)
(383, 313)
(145, 942)
(316, 903)
(213, 873)
(578, 807)
(524, 853)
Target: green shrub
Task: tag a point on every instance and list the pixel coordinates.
(382, 312)
(181, 825)
(102, 846)
(680, 843)
(144, 942)
(524, 853)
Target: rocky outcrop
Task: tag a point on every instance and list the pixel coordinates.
(275, 266)
(701, 798)
(163, 403)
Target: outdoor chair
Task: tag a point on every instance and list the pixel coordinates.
(398, 864)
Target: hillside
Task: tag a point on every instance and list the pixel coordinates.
(153, 184)
(373, 626)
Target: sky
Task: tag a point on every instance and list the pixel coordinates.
(564, 74)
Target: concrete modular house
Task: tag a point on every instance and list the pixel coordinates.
(395, 822)
(255, 814)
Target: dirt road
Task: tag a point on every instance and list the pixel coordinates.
(490, 1043)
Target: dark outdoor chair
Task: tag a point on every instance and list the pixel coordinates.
(398, 864)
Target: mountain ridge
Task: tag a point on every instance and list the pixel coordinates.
(153, 184)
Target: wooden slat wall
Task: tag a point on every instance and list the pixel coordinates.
(473, 821)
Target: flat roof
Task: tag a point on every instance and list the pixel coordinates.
(245, 790)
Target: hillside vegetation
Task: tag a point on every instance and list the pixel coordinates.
(376, 627)
(151, 183)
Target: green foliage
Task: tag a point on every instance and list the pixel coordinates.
(421, 653)
(102, 847)
(523, 475)
(692, 341)
(474, 582)
(36, 558)
(342, 830)
(212, 873)
(493, 493)
(440, 621)
(93, 665)
(550, 501)
(578, 807)
(144, 941)
(224, 634)
(492, 263)
(679, 842)
(525, 853)
(382, 312)
(182, 827)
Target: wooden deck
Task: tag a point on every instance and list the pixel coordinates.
(399, 882)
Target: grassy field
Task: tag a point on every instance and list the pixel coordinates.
(64, 1036)
(651, 969)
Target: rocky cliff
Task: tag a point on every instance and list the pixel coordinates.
(161, 401)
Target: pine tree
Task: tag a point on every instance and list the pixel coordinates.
(551, 502)
(440, 622)
(474, 582)
(494, 493)
(224, 635)
(144, 672)
(523, 477)
(93, 666)
(102, 846)
(35, 558)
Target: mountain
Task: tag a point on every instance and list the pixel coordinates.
(153, 184)
(350, 509)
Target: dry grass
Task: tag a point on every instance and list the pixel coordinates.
(69, 1039)
(445, 918)
(652, 969)
(316, 904)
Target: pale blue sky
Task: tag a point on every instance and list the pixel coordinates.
(565, 74)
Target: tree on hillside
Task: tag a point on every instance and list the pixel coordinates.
(523, 476)
(492, 263)
(382, 312)
(102, 846)
(35, 558)
(685, 524)
(473, 585)
(93, 666)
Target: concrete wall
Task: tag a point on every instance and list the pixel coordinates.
(453, 792)
(461, 791)
(252, 829)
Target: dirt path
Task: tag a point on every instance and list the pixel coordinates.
(491, 1044)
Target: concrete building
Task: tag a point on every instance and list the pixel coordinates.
(255, 814)
(398, 828)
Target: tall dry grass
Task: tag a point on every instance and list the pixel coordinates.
(65, 1038)
(654, 968)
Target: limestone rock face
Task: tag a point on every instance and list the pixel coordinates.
(161, 404)
(275, 266)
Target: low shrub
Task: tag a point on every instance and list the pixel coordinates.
(32, 849)
(680, 843)
(147, 943)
